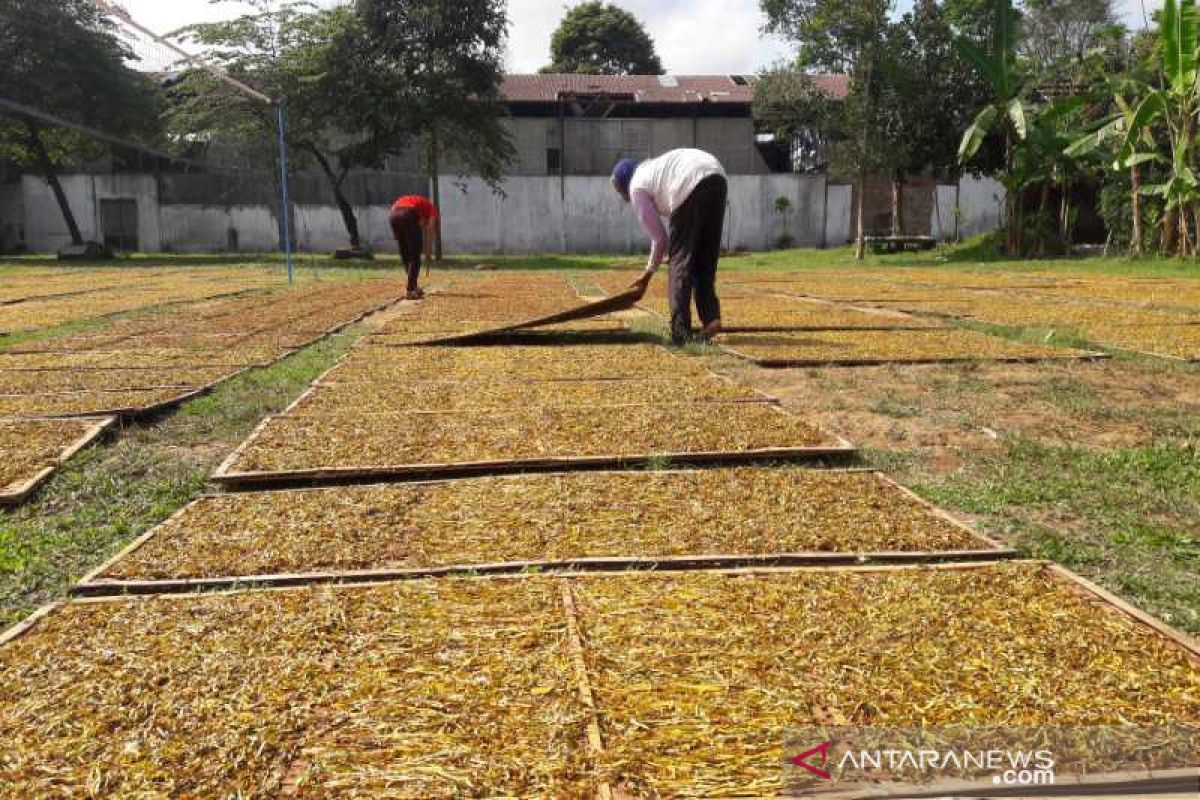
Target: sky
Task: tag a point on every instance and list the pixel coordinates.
(692, 36)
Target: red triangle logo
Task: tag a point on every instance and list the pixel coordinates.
(802, 760)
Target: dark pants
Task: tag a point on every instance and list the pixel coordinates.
(406, 227)
(696, 229)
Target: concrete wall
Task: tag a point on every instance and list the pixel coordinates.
(12, 217)
(45, 228)
(581, 214)
(571, 214)
(980, 206)
(839, 215)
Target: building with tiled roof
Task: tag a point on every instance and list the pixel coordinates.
(569, 124)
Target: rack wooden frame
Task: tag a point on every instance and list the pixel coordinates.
(23, 489)
(227, 476)
(94, 584)
(795, 363)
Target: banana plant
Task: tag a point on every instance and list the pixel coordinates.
(1173, 110)
(1109, 134)
(1008, 113)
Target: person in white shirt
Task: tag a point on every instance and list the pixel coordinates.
(689, 187)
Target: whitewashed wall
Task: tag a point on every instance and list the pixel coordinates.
(534, 214)
(12, 217)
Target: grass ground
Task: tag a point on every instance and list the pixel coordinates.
(110, 494)
(975, 254)
(1094, 465)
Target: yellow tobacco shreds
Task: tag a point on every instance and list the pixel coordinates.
(883, 346)
(698, 677)
(53, 381)
(397, 440)
(500, 395)
(416, 690)
(191, 346)
(1176, 341)
(86, 403)
(535, 518)
(29, 446)
(547, 362)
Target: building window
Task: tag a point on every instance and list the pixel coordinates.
(553, 161)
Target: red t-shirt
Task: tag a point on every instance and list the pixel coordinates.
(426, 209)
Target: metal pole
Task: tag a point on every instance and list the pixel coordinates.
(285, 208)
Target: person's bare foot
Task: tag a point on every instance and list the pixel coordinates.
(711, 330)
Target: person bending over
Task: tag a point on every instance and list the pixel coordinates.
(413, 220)
(689, 187)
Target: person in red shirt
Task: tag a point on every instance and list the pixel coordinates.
(413, 219)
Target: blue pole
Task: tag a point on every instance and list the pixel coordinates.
(285, 208)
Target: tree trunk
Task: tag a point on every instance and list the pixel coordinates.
(348, 217)
(1195, 212)
(1135, 248)
(1012, 224)
(897, 207)
(34, 139)
(1185, 241)
(1043, 212)
(860, 237)
(437, 193)
(1064, 218)
(860, 244)
(1168, 232)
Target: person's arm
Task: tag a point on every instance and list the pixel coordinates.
(648, 214)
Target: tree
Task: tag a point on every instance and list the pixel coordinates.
(1170, 113)
(64, 58)
(927, 93)
(431, 72)
(842, 36)
(789, 104)
(1058, 35)
(1008, 112)
(286, 50)
(598, 39)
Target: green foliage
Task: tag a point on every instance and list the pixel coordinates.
(789, 104)
(430, 70)
(1170, 114)
(595, 38)
(64, 58)
(286, 50)
(848, 38)
(1058, 37)
(927, 93)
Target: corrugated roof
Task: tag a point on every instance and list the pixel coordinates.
(649, 88)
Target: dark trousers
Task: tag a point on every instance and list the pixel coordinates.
(406, 227)
(696, 229)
